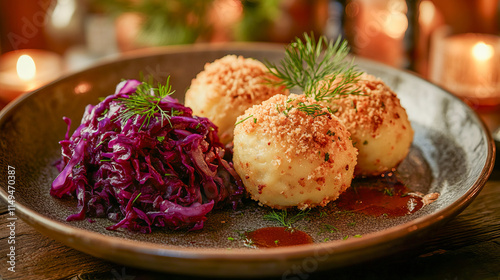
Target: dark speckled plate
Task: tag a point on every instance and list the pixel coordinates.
(452, 154)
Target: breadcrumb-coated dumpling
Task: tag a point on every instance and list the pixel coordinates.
(378, 124)
(226, 88)
(287, 158)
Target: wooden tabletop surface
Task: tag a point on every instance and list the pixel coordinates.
(467, 247)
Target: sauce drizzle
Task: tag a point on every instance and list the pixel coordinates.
(392, 198)
(270, 237)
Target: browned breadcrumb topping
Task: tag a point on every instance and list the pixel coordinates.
(241, 80)
(371, 108)
(321, 140)
(297, 132)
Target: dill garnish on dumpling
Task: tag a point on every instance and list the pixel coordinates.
(293, 151)
(371, 110)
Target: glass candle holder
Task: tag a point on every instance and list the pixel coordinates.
(26, 70)
(468, 65)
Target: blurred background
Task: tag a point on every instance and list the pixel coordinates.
(454, 43)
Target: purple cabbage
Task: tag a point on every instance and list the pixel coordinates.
(142, 175)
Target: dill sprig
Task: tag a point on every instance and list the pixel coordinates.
(137, 197)
(146, 102)
(319, 68)
(314, 110)
(238, 122)
(284, 219)
(285, 109)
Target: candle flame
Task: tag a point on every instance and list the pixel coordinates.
(26, 68)
(482, 51)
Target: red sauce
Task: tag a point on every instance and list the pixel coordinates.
(380, 198)
(270, 237)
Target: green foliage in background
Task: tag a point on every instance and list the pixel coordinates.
(166, 22)
(258, 16)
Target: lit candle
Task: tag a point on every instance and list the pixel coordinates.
(467, 65)
(26, 70)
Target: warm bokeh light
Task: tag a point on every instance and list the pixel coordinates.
(427, 12)
(395, 25)
(26, 68)
(396, 22)
(64, 11)
(482, 51)
(397, 6)
(83, 87)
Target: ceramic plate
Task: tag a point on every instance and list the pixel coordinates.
(452, 154)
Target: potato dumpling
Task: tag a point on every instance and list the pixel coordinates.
(378, 124)
(226, 88)
(289, 158)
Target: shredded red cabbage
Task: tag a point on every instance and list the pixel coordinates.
(141, 175)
